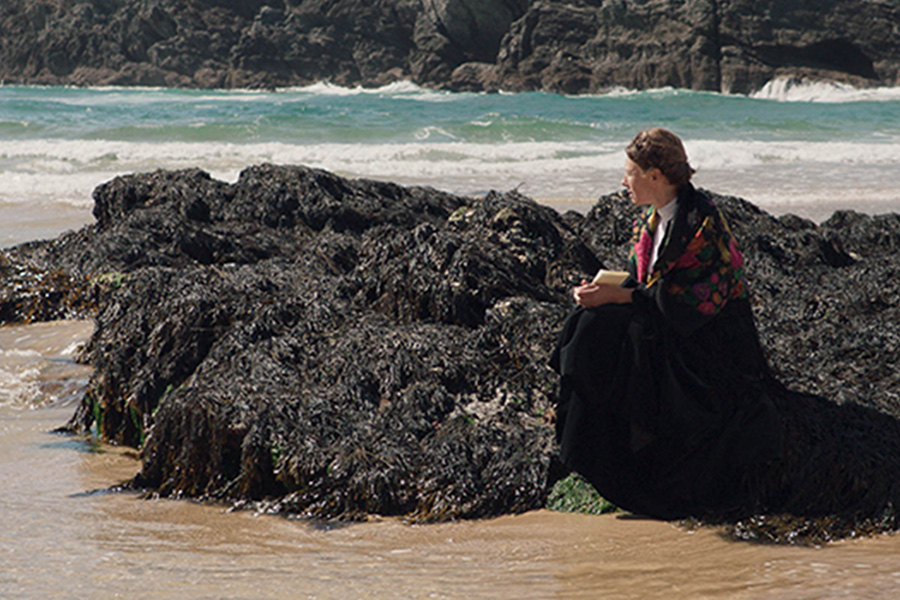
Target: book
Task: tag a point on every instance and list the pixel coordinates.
(610, 277)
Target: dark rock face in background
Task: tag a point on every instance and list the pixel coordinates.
(573, 46)
(718, 45)
(335, 348)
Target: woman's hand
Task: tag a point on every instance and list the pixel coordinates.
(590, 295)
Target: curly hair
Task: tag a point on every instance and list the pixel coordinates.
(661, 149)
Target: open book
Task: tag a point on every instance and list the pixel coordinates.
(610, 277)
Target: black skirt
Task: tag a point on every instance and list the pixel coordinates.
(663, 423)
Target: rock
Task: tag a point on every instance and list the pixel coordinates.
(475, 26)
(566, 46)
(474, 77)
(449, 34)
(577, 48)
(302, 343)
(732, 47)
(34, 294)
(397, 340)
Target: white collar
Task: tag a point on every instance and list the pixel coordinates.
(667, 212)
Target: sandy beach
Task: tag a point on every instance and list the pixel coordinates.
(63, 537)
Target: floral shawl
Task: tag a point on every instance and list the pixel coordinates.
(699, 269)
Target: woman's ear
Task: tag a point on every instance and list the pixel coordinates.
(658, 177)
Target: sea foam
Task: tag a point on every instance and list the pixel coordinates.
(789, 89)
(66, 171)
(58, 144)
(19, 372)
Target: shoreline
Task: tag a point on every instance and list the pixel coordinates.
(37, 364)
(57, 522)
(778, 89)
(23, 224)
(559, 151)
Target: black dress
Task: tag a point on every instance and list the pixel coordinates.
(665, 403)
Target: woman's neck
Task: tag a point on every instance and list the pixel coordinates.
(665, 198)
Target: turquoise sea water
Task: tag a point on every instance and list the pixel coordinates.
(806, 149)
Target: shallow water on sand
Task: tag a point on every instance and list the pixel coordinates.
(62, 536)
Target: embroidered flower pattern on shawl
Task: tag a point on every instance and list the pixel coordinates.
(706, 274)
(710, 272)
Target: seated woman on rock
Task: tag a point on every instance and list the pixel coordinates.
(664, 390)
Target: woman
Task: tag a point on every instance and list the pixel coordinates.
(663, 401)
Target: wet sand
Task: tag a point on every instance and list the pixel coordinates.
(62, 540)
(63, 536)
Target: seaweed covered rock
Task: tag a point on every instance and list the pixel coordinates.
(335, 348)
(32, 294)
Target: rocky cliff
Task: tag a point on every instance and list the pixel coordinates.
(308, 344)
(568, 46)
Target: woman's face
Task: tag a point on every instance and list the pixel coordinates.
(639, 183)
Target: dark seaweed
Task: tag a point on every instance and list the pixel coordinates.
(312, 345)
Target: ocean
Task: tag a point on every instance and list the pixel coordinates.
(807, 149)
